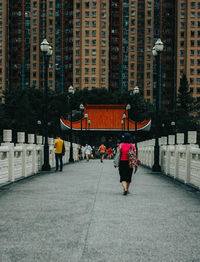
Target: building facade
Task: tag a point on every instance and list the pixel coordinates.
(101, 44)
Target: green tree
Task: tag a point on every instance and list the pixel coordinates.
(185, 108)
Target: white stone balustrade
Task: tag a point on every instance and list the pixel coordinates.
(22, 160)
(179, 161)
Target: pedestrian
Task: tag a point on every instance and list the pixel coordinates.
(60, 151)
(109, 153)
(79, 152)
(88, 151)
(102, 150)
(125, 171)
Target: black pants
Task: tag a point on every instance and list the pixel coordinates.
(59, 158)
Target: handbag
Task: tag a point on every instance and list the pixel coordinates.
(63, 149)
(133, 161)
(117, 157)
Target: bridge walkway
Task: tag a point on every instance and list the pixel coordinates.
(81, 215)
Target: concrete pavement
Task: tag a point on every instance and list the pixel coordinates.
(80, 215)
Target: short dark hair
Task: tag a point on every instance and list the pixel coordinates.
(127, 138)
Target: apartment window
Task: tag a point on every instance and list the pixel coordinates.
(103, 5)
(77, 5)
(86, 42)
(77, 52)
(198, 52)
(93, 51)
(94, 42)
(192, 42)
(86, 61)
(103, 34)
(86, 80)
(77, 80)
(93, 70)
(191, 61)
(93, 32)
(103, 43)
(148, 83)
(198, 80)
(94, 4)
(103, 24)
(34, 4)
(103, 52)
(94, 61)
(87, 23)
(77, 24)
(192, 71)
(77, 14)
(182, 5)
(86, 51)
(182, 24)
(149, 4)
(51, 4)
(94, 23)
(192, 4)
(182, 43)
(149, 22)
(77, 61)
(198, 71)
(132, 21)
(199, 5)
(50, 12)
(182, 15)
(198, 42)
(133, 3)
(103, 71)
(198, 62)
(34, 57)
(191, 52)
(103, 61)
(133, 13)
(192, 24)
(148, 66)
(103, 15)
(182, 34)
(148, 92)
(87, 4)
(148, 75)
(86, 70)
(87, 14)
(87, 32)
(77, 33)
(94, 14)
(192, 14)
(132, 66)
(77, 71)
(35, 21)
(191, 80)
(77, 42)
(93, 80)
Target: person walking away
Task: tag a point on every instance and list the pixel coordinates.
(125, 171)
(88, 151)
(58, 145)
(102, 150)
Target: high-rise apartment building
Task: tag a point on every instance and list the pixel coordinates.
(188, 43)
(101, 44)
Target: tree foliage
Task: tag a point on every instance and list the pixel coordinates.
(24, 107)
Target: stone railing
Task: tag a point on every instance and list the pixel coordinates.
(179, 161)
(21, 160)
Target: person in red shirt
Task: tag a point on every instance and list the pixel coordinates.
(125, 171)
(109, 153)
(102, 150)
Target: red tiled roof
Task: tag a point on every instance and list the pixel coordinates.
(105, 118)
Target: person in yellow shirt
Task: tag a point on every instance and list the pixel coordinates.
(60, 149)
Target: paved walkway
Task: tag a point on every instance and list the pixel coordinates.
(80, 215)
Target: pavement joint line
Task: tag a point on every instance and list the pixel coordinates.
(90, 220)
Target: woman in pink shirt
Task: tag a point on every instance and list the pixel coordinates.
(124, 170)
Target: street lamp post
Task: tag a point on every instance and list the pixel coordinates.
(135, 92)
(157, 49)
(81, 108)
(47, 52)
(86, 116)
(71, 92)
(124, 120)
(128, 107)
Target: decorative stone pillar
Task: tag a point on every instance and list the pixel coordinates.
(7, 136)
(20, 137)
(192, 137)
(180, 138)
(31, 138)
(39, 140)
